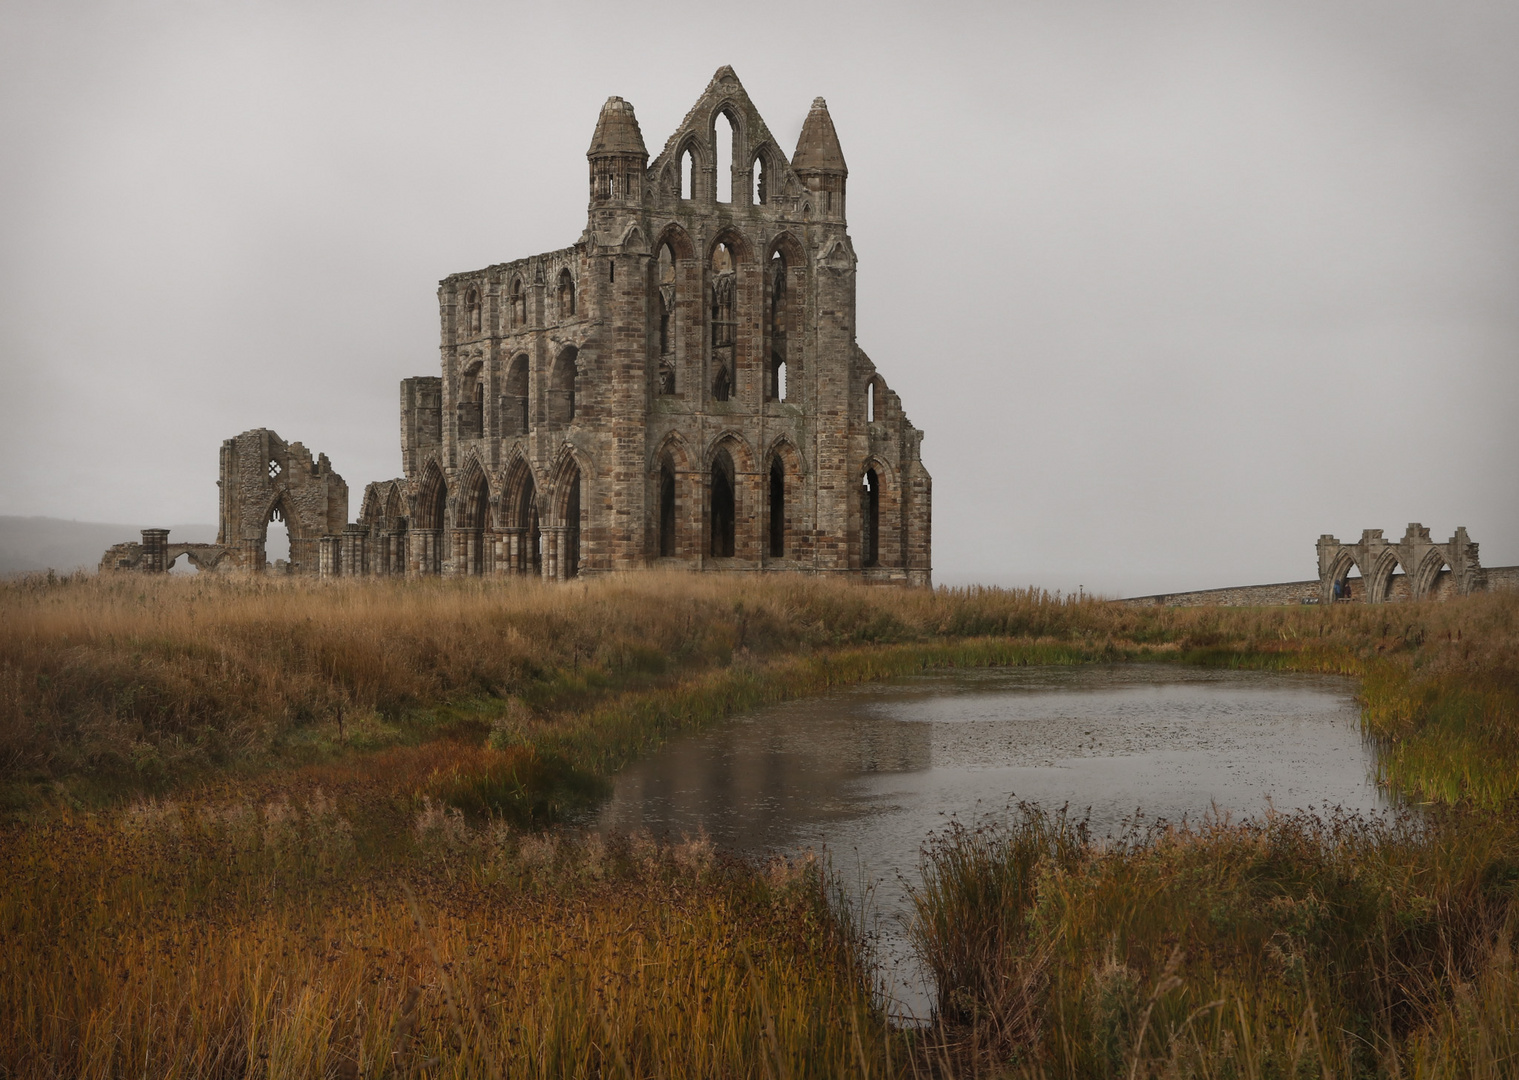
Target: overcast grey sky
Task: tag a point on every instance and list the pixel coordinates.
(1172, 288)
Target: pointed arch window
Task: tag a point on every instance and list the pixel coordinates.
(759, 172)
(724, 321)
(472, 310)
(518, 305)
(780, 307)
(777, 508)
(666, 507)
(688, 174)
(566, 295)
(664, 303)
(562, 388)
(721, 506)
(514, 399)
(870, 519)
(724, 141)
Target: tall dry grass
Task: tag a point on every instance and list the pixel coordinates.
(336, 874)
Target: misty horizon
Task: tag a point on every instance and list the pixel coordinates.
(1171, 290)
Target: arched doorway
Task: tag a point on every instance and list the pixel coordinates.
(721, 506)
(568, 555)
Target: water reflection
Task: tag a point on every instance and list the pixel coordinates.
(870, 772)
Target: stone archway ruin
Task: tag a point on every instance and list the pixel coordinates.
(1429, 569)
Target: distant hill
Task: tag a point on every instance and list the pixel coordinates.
(32, 544)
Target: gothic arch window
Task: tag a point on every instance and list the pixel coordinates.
(777, 508)
(514, 399)
(562, 389)
(666, 507)
(471, 404)
(724, 320)
(725, 139)
(759, 173)
(870, 519)
(722, 506)
(688, 174)
(518, 305)
(569, 553)
(566, 295)
(472, 310)
(780, 307)
(664, 302)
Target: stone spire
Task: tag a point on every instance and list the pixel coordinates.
(617, 131)
(817, 150)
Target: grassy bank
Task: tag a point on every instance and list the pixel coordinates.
(264, 828)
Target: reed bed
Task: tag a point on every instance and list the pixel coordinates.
(231, 939)
(271, 828)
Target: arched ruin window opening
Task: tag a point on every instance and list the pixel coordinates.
(472, 310)
(277, 540)
(566, 294)
(1349, 585)
(477, 520)
(870, 519)
(526, 519)
(760, 170)
(514, 400)
(687, 174)
(777, 509)
(666, 508)
(275, 468)
(562, 389)
(776, 388)
(870, 403)
(725, 131)
(666, 304)
(611, 270)
(721, 508)
(724, 320)
(184, 567)
(519, 304)
(570, 555)
(780, 305)
(471, 408)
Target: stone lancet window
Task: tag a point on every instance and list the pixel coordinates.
(777, 509)
(721, 506)
(562, 389)
(870, 402)
(472, 311)
(514, 399)
(760, 172)
(666, 507)
(870, 519)
(688, 174)
(724, 132)
(518, 306)
(664, 302)
(724, 321)
(780, 307)
(471, 405)
(566, 295)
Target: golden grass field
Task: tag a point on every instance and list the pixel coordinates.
(271, 828)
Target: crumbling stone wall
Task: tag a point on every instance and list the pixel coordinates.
(682, 386)
(264, 479)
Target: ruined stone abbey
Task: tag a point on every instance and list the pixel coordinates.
(680, 387)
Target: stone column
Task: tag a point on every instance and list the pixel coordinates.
(329, 556)
(155, 551)
(355, 552)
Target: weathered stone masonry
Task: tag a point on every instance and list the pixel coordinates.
(680, 387)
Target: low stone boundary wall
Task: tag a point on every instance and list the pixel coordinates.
(1291, 592)
(1287, 592)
